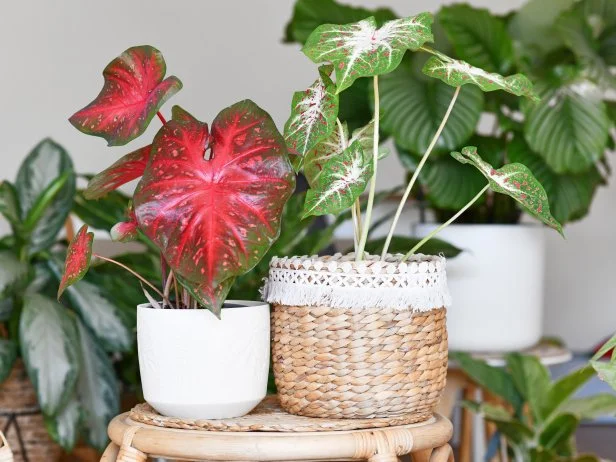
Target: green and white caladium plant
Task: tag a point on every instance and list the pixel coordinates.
(210, 198)
(339, 168)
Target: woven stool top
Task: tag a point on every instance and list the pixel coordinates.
(266, 417)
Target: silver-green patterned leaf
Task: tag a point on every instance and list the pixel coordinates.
(343, 179)
(569, 128)
(313, 114)
(457, 73)
(49, 348)
(9, 204)
(45, 164)
(64, 426)
(361, 49)
(8, 354)
(97, 388)
(413, 106)
(516, 181)
(12, 273)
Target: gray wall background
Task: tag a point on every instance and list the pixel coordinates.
(225, 50)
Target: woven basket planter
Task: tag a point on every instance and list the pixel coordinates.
(359, 340)
(18, 402)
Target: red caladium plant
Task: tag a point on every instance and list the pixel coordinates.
(210, 199)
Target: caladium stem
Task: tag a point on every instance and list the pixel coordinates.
(444, 225)
(161, 117)
(423, 160)
(375, 157)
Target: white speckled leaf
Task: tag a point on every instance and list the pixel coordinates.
(360, 49)
(64, 426)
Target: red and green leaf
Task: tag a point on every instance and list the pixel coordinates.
(457, 73)
(133, 92)
(127, 168)
(361, 49)
(516, 181)
(212, 202)
(125, 231)
(342, 180)
(313, 114)
(78, 258)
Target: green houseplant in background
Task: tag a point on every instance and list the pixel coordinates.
(65, 347)
(564, 47)
(538, 417)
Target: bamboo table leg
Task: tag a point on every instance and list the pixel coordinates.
(111, 453)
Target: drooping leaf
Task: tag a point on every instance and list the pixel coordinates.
(134, 90)
(532, 379)
(413, 108)
(558, 431)
(215, 219)
(78, 258)
(49, 348)
(8, 355)
(591, 407)
(478, 37)
(569, 195)
(97, 388)
(563, 389)
(313, 114)
(9, 204)
(516, 181)
(64, 427)
(457, 73)
(127, 168)
(361, 49)
(493, 379)
(45, 164)
(402, 244)
(569, 127)
(309, 14)
(343, 178)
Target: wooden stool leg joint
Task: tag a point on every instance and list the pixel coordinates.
(442, 454)
(127, 452)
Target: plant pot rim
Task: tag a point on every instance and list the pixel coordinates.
(237, 305)
(338, 281)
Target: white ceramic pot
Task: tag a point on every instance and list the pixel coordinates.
(496, 286)
(195, 366)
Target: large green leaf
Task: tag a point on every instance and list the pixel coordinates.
(478, 37)
(591, 407)
(569, 195)
(532, 380)
(569, 127)
(8, 354)
(413, 107)
(9, 204)
(564, 388)
(515, 431)
(49, 347)
(559, 431)
(494, 379)
(606, 371)
(45, 164)
(97, 388)
(12, 273)
(309, 14)
(516, 181)
(457, 73)
(64, 426)
(402, 244)
(104, 213)
(362, 49)
(313, 114)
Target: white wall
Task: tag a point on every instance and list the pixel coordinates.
(53, 52)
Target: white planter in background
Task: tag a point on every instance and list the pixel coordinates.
(496, 286)
(195, 366)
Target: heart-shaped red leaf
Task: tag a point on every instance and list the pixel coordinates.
(215, 217)
(126, 169)
(134, 90)
(78, 258)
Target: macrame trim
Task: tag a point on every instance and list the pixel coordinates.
(338, 281)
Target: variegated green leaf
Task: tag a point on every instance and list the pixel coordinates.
(12, 272)
(313, 114)
(365, 136)
(361, 50)
(97, 388)
(64, 426)
(8, 354)
(457, 73)
(9, 204)
(515, 180)
(343, 179)
(49, 347)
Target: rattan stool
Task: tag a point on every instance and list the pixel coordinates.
(243, 439)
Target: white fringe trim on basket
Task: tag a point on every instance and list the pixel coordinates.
(419, 284)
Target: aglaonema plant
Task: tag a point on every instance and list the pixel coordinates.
(209, 198)
(339, 165)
